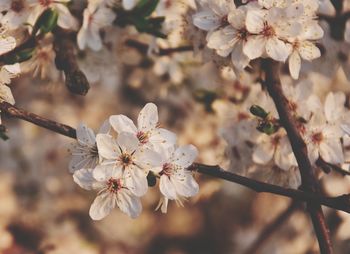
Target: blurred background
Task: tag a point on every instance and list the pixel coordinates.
(43, 211)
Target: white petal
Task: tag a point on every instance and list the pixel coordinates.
(187, 187)
(162, 137)
(206, 20)
(82, 161)
(255, 21)
(85, 179)
(103, 173)
(6, 94)
(147, 159)
(121, 123)
(65, 18)
(148, 117)
(107, 147)
(277, 49)
(184, 156)
(239, 59)
(294, 64)
(263, 153)
(334, 106)
(136, 181)
(102, 205)
(128, 142)
(254, 47)
(309, 51)
(129, 4)
(167, 188)
(7, 44)
(85, 135)
(331, 151)
(129, 204)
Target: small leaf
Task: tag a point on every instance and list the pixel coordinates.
(20, 56)
(145, 7)
(258, 111)
(46, 22)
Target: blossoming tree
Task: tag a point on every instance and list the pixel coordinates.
(283, 131)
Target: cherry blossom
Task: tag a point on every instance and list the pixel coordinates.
(96, 16)
(84, 152)
(113, 190)
(148, 132)
(176, 181)
(123, 154)
(65, 18)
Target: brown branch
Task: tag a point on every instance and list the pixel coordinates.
(143, 48)
(339, 203)
(66, 61)
(272, 227)
(309, 181)
(13, 111)
(328, 167)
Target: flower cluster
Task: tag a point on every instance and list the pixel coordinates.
(323, 123)
(277, 29)
(118, 160)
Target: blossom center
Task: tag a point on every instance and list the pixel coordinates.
(242, 34)
(17, 5)
(114, 185)
(317, 138)
(224, 21)
(167, 169)
(268, 30)
(143, 137)
(125, 159)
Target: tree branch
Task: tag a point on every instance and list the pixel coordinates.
(143, 48)
(66, 61)
(339, 203)
(309, 181)
(272, 227)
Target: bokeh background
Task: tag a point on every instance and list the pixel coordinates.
(43, 211)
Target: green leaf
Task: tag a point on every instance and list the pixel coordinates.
(46, 22)
(267, 127)
(258, 111)
(145, 7)
(20, 56)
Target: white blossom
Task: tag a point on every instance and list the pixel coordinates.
(84, 151)
(123, 154)
(176, 181)
(147, 132)
(96, 16)
(65, 18)
(113, 190)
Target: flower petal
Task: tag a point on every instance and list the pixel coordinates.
(102, 205)
(184, 156)
(129, 204)
(148, 117)
(121, 123)
(107, 147)
(167, 188)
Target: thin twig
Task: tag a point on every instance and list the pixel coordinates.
(272, 227)
(309, 181)
(339, 203)
(143, 48)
